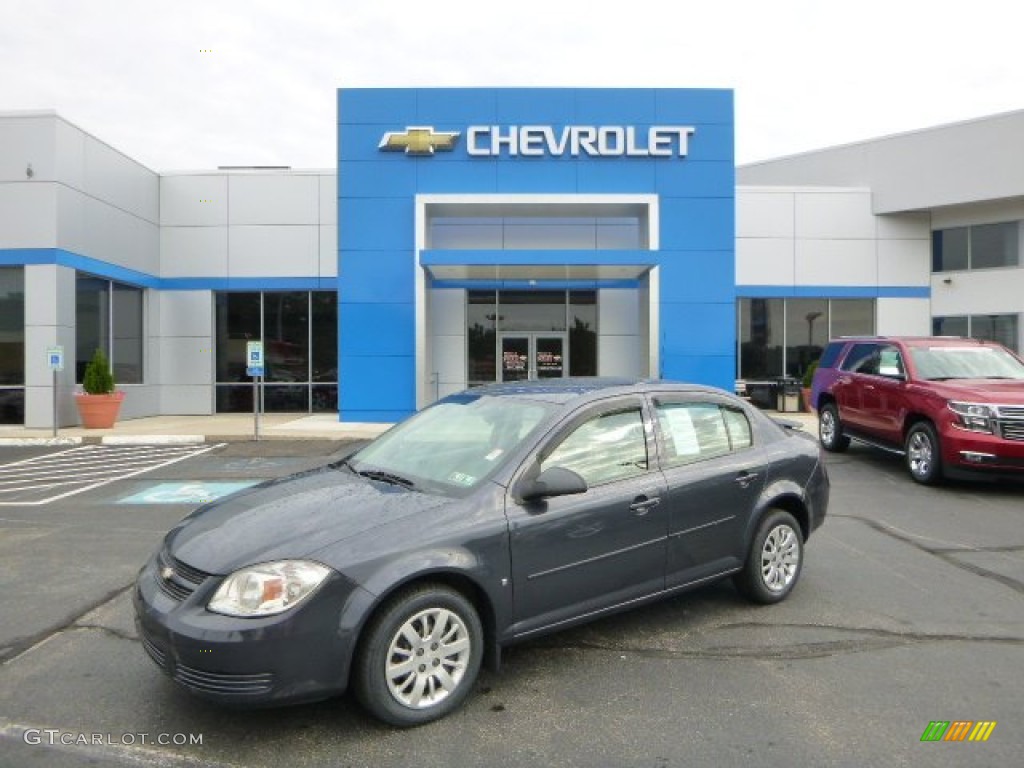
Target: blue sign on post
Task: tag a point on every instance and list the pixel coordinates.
(55, 358)
(252, 370)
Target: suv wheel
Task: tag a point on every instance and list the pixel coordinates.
(924, 456)
(830, 429)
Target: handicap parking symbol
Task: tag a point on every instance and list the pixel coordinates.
(196, 492)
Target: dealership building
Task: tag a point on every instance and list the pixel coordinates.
(477, 235)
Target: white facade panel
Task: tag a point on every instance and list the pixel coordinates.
(903, 317)
(765, 261)
(186, 313)
(194, 200)
(448, 312)
(618, 356)
(449, 362)
(186, 360)
(328, 198)
(328, 259)
(981, 292)
(768, 213)
(111, 234)
(274, 251)
(834, 215)
(618, 312)
(273, 199)
(836, 262)
(69, 160)
(120, 182)
(193, 251)
(904, 262)
(26, 141)
(28, 215)
(44, 282)
(904, 226)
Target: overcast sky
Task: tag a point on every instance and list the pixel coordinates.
(188, 84)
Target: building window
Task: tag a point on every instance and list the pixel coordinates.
(781, 337)
(1003, 329)
(12, 345)
(299, 330)
(110, 316)
(982, 246)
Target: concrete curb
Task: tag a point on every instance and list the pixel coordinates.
(153, 439)
(15, 442)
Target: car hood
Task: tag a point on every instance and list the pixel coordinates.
(290, 518)
(997, 391)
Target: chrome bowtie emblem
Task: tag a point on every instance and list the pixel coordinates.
(166, 572)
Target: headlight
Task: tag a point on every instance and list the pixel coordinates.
(973, 416)
(267, 588)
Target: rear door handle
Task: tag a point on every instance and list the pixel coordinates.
(641, 504)
(746, 478)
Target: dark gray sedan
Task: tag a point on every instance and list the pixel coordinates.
(495, 515)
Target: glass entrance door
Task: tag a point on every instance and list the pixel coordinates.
(532, 356)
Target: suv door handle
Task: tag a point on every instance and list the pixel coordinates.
(746, 478)
(641, 504)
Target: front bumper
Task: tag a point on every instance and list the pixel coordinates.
(299, 655)
(963, 449)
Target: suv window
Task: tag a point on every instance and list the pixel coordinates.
(831, 354)
(890, 362)
(859, 357)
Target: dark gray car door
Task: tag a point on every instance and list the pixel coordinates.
(573, 555)
(715, 474)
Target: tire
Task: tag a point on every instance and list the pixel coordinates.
(923, 454)
(775, 560)
(830, 430)
(414, 625)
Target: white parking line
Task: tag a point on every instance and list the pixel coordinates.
(88, 467)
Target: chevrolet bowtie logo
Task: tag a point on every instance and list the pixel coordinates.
(418, 140)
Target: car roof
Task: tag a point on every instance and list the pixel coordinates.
(582, 387)
(920, 341)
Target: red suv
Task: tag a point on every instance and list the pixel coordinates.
(945, 404)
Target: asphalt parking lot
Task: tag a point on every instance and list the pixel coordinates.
(910, 610)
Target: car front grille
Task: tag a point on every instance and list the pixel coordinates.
(176, 579)
(1010, 421)
(155, 653)
(224, 684)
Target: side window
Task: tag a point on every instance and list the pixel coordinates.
(860, 358)
(739, 429)
(890, 362)
(693, 431)
(606, 448)
(828, 357)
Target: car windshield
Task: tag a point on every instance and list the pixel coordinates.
(453, 445)
(938, 363)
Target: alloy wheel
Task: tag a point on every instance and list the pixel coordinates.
(780, 558)
(427, 658)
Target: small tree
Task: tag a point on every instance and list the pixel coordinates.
(98, 379)
(809, 374)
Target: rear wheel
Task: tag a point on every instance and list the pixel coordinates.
(775, 560)
(420, 657)
(830, 429)
(923, 454)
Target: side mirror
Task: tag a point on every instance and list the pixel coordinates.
(555, 481)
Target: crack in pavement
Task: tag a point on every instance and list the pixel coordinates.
(22, 645)
(872, 639)
(946, 554)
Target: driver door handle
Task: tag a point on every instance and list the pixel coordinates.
(641, 504)
(746, 478)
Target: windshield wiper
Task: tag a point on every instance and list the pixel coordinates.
(386, 477)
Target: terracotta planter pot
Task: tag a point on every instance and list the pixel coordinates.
(805, 393)
(98, 411)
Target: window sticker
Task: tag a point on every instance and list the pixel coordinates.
(684, 434)
(493, 454)
(461, 478)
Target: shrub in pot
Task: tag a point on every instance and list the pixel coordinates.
(100, 402)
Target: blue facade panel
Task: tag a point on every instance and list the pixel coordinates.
(376, 215)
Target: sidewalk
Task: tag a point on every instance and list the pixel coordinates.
(224, 427)
(235, 427)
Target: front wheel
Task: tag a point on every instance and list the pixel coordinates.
(924, 456)
(775, 560)
(830, 429)
(420, 657)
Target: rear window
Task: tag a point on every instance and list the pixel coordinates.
(830, 355)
